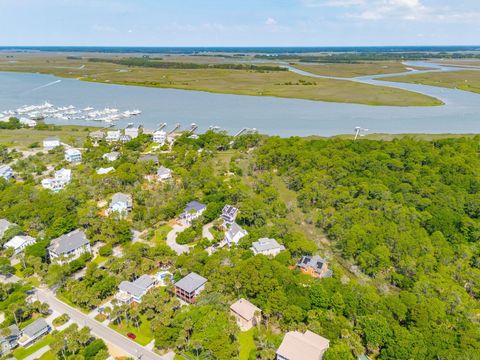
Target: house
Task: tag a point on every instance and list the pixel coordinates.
(132, 132)
(193, 211)
(113, 136)
(267, 246)
(33, 332)
(19, 242)
(246, 314)
(159, 137)
(6, 172)
(148, 157)
(229, 213)
(121, 203)
(111, 156)
(314, 266)
(148, 131)
(97, 135)
(51, 143)
(28, 122)
(302, 346)
(164, 173)
(190, 287)
(61, 178)
(69, 247)
(134, 291)
(9, 341)
(234, 234)
(4, 226)
(73, 155)
(103, 171)
(124, 138)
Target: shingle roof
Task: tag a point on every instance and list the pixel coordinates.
(18, 241)
(306, 346)
(195, 205)
(69, 242)
(138, 287)
(34, 328)
(149, 157)
(235, 229)
(191, 282)
(312, 261)
(163, 171)
(245, 309)
(122, 198)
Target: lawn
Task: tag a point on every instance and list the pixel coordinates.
(99, 259)
(161, 234)
(47, 356)
(21, 352)
(283, 84)
(247, 344)
(143, 333)
(74, 135)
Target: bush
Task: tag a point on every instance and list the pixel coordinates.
(105, 250)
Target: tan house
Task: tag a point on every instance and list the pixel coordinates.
(302, 346)
(246, 314)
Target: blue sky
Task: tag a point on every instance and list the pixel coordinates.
(240, 22)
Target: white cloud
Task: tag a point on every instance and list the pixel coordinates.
(271, 22)
(332, 3)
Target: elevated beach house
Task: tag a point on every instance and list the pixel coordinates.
(69, 247)
(190, 287)
(302, 346)
(266, 246)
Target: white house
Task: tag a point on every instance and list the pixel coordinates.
(229, 213)
(164, 173)
(111, 156)
(121, 203)
(159, 137)
(19, 242)
(132, 132)
(103, 171)
(193, 211)
(113, 135)
(10, 341)
(302, 346)
(234, 234)
(59, 181)
(33, 332)
(124, 138)
(69, 247)
(73, 155)
(6, 172)
(28, 122)
(134, 291)
(51, 143)
(266, 246)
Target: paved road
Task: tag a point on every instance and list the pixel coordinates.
(98, 329)
(172, 237)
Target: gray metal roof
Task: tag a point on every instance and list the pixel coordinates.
(68, 242)
(149, 157)
(266, 244)
(195, 205)
(4, 225)
(138, 287)
(191, 282)
(163, 171)
(36, 327)
(122, 198)
(235, 229)
(14, 332)
(229, 210)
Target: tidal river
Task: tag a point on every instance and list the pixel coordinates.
(273, 116)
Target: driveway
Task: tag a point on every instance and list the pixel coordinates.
(99, 330)
(172, 239)
(206, 231)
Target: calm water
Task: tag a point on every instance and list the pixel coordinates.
(275, 116)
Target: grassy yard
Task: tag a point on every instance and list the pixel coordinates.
(463, 80)
(21, 352)
(22, 138)
(283, 84)
(161, 234)
(143, 333)
(247, 344)
(47, 356)
(99, 259)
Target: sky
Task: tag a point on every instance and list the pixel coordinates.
(239, 22)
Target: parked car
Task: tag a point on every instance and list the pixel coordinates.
(131, 336)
